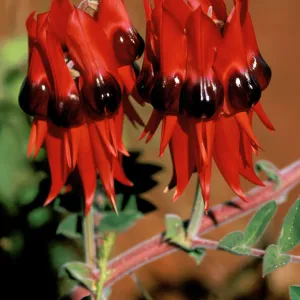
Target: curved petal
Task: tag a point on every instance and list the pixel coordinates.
(87, 168)
(127, 44)
(57, 160)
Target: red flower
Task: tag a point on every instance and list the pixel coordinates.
(203, 74)
(77, 89)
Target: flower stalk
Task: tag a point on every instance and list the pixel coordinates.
(89, 240)
(105, 251)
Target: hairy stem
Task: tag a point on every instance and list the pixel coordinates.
(89, 240)
(105, 251)
(213, 245)
(155, 248)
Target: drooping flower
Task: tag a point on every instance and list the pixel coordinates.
(203, 74)
(77, 90)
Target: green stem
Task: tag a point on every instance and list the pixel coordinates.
(105, 251)
(89, 240)
(197, 214)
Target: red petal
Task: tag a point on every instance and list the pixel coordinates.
(172, 37)
(104, 163)
(86, 168)
(32, 138)
(152, 125)
(243, 120)
(182, 151)
(57, 160)
(225, 158)
(178, 9)
(42, 129)
(168, 126)
(59, 15)
(104, 132)
(263, 116)
(119, 172)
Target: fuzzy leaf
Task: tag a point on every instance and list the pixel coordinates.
(270, 170)
(290, 231)
(273, 259)
(69, 227)
(174, 228)
(118, 223)
(234, 243)
(259, 223)
(295, 292)
(82, 273)
(131, 204)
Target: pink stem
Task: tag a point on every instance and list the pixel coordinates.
(154, 248)
(213, 245)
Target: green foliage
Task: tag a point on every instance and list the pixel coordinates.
(290, 231)
(239, 242)
(69, 226)
(270, 170)
(39, 217)
(175, 231)
(234, 242)
(259, 223)
(273, 259)
(111, 222)
(295, 292)
(82, 273)
(176, 235)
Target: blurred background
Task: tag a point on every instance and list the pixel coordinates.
(31, 253)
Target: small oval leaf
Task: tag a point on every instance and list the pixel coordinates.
(290, 231)
(234, 243)
(82, 273)
(69, 227)
(118, 223)
(273, 260)
(259, 223)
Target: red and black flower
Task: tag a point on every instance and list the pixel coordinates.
(204, 75)
(79, 77)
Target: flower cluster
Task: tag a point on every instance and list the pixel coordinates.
(203, 74)
(79, 77)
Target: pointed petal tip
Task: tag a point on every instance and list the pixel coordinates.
(166, 190)
(176, 196)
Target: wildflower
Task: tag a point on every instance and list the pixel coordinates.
(77, 90)
(203, 74)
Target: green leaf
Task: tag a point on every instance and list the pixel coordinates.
(270, 170)
(198, 255)
(69, 227)
(82, 273)
(131, 205)
(295, 292)
(174, 228)
(39, 217)
(290, 231)
(273, 259)
(259, 223)
(197, 213)
(111, 222)
(234, 243)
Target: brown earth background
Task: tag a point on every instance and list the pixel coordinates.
(278, 32)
